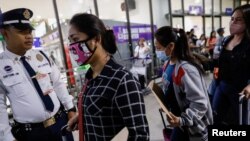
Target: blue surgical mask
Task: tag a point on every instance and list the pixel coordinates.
(162, 55)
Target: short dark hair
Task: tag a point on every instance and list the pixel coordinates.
(219, 30)
(93, 26)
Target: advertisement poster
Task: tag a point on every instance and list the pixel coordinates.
(137, 31)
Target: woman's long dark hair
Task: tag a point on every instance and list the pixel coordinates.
(167, 34)
(94, 27)
(211, 35)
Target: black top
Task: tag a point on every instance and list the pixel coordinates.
(234, 65)
(112, 101)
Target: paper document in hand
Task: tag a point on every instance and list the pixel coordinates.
(159, 95)
(122, 135)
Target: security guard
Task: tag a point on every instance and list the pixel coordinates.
(39, 99)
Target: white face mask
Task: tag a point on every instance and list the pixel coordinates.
(162, 55)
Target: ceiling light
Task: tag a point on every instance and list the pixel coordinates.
(80, 1)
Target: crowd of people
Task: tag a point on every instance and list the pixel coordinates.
(111, 96)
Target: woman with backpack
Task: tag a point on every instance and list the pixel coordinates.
(184, 75)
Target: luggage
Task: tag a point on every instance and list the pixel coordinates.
(167, 130)
(244, 117)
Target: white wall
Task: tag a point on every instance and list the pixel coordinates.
(176, 6)
(195, 23)
(160, 9)
(139, 15)
(225, 23)
(45, 9)
(111, 9)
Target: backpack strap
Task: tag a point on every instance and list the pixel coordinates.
(45, 56)
(165, 65)
(224, 41)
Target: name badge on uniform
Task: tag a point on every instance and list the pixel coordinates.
(44, 82)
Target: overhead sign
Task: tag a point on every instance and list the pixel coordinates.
(36, 42)
(137, 31)
(196, 10)
(229, 11)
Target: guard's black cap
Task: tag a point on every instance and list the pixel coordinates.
(19, 18)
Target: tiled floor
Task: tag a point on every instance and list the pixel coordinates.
(153, 115)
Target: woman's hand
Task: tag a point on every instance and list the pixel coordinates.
(246, 91)
(173, 120)
(72, 123)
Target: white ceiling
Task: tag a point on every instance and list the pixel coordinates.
(45, 8)
(67, 8)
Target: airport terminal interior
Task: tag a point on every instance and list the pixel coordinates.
(130, 20)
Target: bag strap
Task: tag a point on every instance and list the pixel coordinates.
(224, 41)
(163, 121)
(165, 65)
(45, 56)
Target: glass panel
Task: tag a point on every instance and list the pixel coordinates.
(208, 26)
(176, 6)
(140, 23)
(141, 28)
(225, 23)
(193, 7)
(140, 19)
(227, 6)
(115, 18)
(160, 13)
(217, 10)
(216, 23)
(117, 12)
(208, 7)
(178, 22)
(194, 22)
(243, 2)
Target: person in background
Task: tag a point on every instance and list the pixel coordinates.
(200, 43)
(234, 68)
(218, 45)
(53, 57)
(142, 50)
(211, 42)
(191, 43)
(193, 36)
(141, 62)
(185, 77)
(112, 99)
(37, 94)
